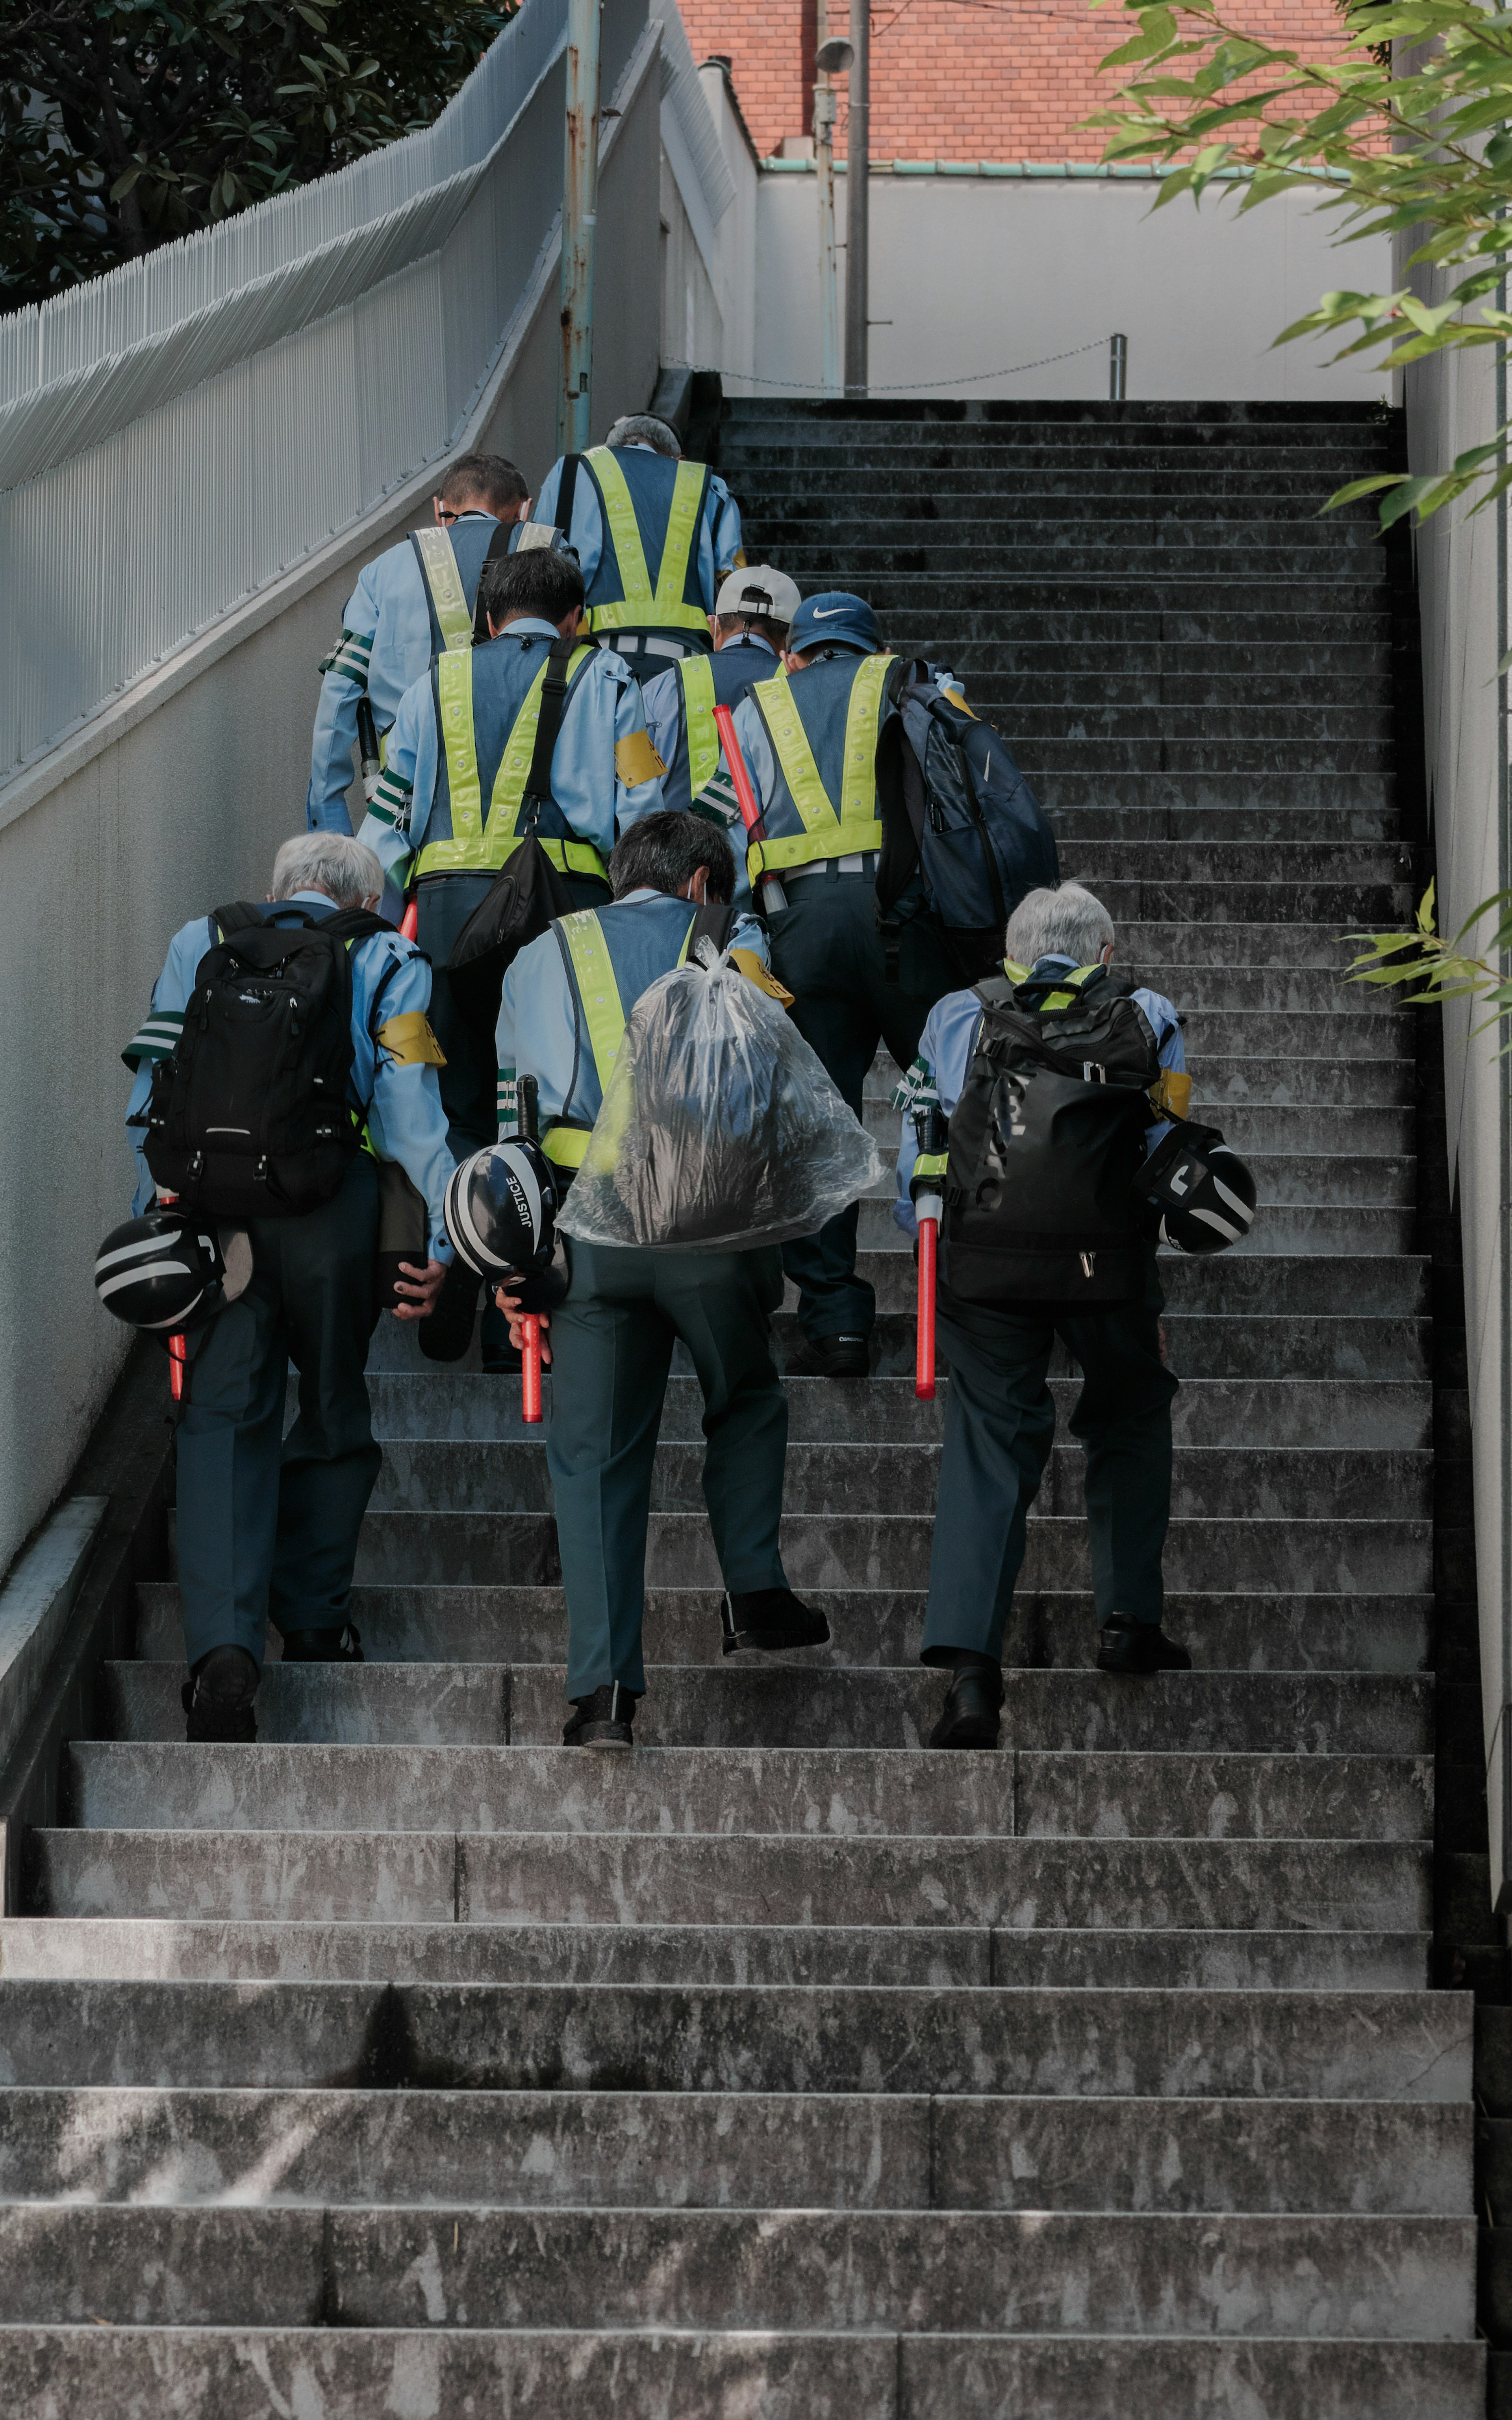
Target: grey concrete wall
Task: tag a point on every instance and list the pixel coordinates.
(176, 799)
(976, 274)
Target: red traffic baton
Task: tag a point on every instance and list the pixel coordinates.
(927, 1209)
(773, 894)
(530, 1370)
(177, 1362)
(409, 921)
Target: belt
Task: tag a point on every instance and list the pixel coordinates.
(861, 860)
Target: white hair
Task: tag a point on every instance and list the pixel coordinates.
(645, 428)
(1064, 924)
(331, 861)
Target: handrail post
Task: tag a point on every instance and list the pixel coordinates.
(580, 214)
(1118, 369)
(858, 200)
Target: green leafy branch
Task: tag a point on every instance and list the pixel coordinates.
(1441, 969)
(1406, 130)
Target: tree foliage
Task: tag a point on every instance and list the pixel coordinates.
(1423, 147)
(1437, 969)
(124, 123)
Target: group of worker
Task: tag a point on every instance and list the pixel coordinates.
(556, 677)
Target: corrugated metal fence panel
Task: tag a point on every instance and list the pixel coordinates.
(181, 432)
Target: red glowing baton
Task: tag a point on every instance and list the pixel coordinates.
(928, 1126)
(773, 894)
(528, 1127)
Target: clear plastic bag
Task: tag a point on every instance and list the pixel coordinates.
(719, 1130)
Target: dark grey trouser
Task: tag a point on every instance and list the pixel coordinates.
(1000, 1426)
(611, 1349)
(827, 951)
(268, 1526)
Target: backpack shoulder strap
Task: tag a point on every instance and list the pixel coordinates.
(498, 545)
(549, 721)
(566, 491)
(713, 924)
(355, 925)
(237, 916)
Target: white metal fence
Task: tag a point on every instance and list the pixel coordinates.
(175, 435)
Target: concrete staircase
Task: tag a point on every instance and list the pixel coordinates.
(405, 2063)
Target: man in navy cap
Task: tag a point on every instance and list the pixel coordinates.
(854, 943)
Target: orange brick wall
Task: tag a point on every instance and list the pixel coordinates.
(960, 79)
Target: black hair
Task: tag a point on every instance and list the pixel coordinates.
(537, 580)
(762, 624)
(486, 478)
(663, 851)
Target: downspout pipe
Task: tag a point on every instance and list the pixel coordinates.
(580, 218)
(858, 201)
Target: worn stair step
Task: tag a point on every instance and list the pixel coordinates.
(843, 1794)
(1345, 905)
(1380, 1230)
(554, 1878)
(1211, 1412)
(650, 2374)
(1221, 861)
(1199, 1344)
(1141, 2273)
(1145, 943)
(1373, 1147)
(1086, 825)
(1225, 1482)
(944, 1958)
(1231, 1632)
(1290, 2045)
(1052, 688)
(1230, 1287)
(716, 2151)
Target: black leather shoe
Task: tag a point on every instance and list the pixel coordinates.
(1125, 1645)
(217, 1699)
(771, 1619)
(602, 1720)
(837, 1356)
(970, 1715)
(344, 1646)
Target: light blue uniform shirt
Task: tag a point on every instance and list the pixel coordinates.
(745, 658)
(822, 693)
(718, 541)
(402, 1104)
(604, 706)
(948, 1045)
(386, 642)
(538, 1033)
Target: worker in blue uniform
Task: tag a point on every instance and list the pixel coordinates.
(267, 1525)
(655, 536)
(999, 1414)
(750, 628)
(447, 812)
(566, 1002)
(411, 604)
(820, 740)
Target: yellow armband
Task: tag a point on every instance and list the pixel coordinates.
(636, 760)
(410, 1041)
(753, 970)
(1172, 1096)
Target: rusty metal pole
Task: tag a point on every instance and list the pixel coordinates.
(580, 214)
(858, 201)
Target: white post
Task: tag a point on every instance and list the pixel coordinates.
(823, 152)
(579, 214)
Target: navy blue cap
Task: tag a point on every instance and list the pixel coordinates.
(834, 614)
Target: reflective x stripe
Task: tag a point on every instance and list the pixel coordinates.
(566, 1146)
(600, 997)
(858, 825)
(696, 673)
(444, 580)
(474, 848)
(668, 607)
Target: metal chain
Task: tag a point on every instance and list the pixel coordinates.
(911, 386)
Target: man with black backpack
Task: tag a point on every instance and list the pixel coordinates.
(410, 605)
(532, 744)
(286, 1073)
(1056, 1078)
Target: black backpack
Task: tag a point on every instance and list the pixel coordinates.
(249, 1117)
(982, 836)
(1046, 1142)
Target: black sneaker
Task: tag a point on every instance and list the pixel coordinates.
(837, 1356)
(602, 1720)
(217, 1699)
(972, 1704)
(771, 1619)
(342, 1646)
(1125, 1645)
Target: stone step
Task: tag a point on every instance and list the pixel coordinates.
(1264, 2045)
(1232, 899)
(1380, 1414)
(836, 1794)
(1308, 1481)
(1232, 1633)
(1322, 1183)
(138, 2373)
(649, 2374)
(1163, 553)
(420, 1877)
(858, 500)
(1155, 2273)
(611, 2150)
(1057, 688)
(1375, 1230)
(794, 1705)
(1199, 1345)
(1279, 823)
(1221, 861)
(941, 1957)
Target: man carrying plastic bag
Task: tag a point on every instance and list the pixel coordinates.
(714, 1132)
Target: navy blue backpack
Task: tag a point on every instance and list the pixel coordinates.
(983, 837)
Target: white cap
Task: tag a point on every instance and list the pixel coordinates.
(759, 589)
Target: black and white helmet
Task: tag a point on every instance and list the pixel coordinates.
(501, 1208)
(161, 1271)
(1196, 1193)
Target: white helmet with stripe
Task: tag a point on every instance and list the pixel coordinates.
(1195, 1194)
(163, 1271)
(501, 1209)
